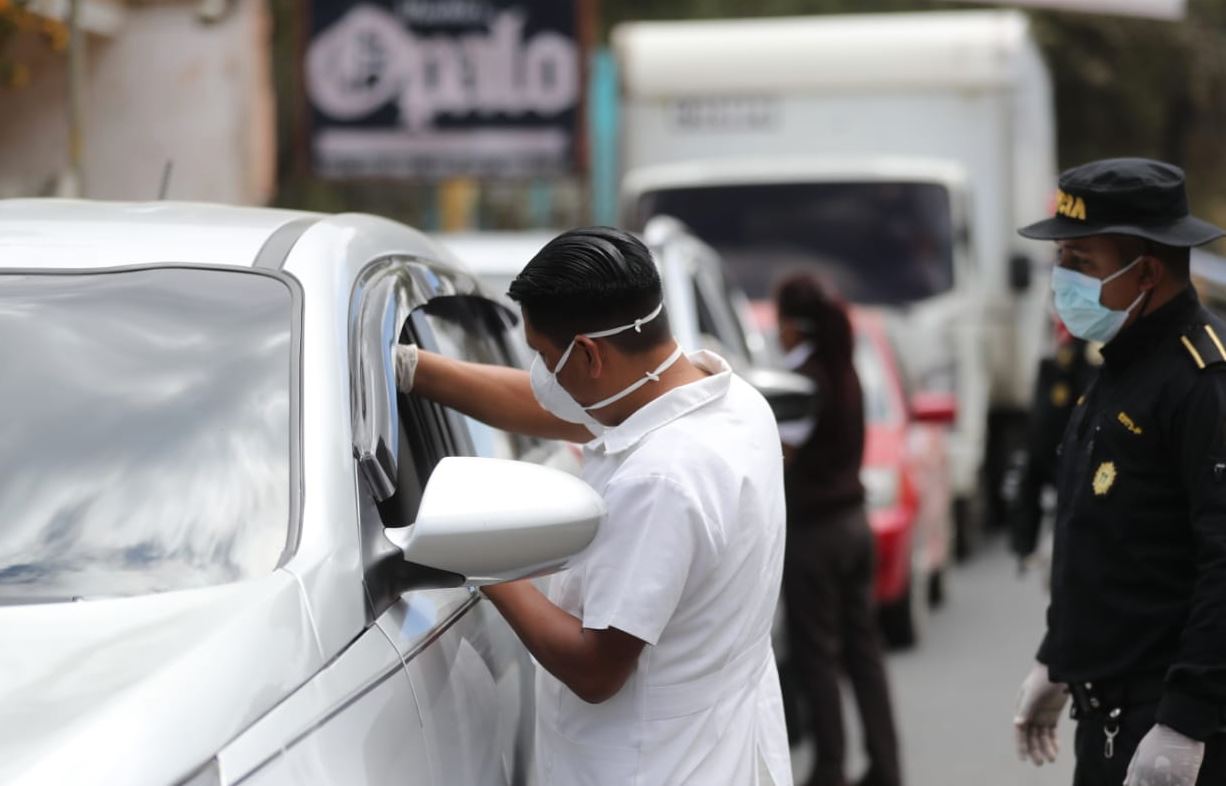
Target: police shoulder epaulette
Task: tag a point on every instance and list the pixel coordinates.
(1204, 343)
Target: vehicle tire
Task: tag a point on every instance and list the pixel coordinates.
(968, 525)
(936, 589)
(903, 621)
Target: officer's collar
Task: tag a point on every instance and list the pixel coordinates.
(1121, 350)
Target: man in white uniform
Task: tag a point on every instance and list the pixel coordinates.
(657, 667)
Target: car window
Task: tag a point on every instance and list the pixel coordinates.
(706, 319)
(424, 440)
(476, 330)
(736, 331)
(717, 319)
(146, 440)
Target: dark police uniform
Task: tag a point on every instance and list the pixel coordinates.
(1137, 621)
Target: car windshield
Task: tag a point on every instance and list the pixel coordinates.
(146, 437)
(875, 243)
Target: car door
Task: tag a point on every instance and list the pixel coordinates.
(357, 721)
(470, 676)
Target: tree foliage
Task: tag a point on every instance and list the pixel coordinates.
(18, 23)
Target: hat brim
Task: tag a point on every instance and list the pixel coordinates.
(1186, 232)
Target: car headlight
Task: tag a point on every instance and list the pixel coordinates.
(881, 486)
(208, 775)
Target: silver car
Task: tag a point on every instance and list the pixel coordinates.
(230, 551)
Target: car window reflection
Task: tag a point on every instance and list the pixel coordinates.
(145, 444)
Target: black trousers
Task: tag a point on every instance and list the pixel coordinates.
(1095, 769)
(832, 630)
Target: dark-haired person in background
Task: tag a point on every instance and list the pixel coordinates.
(1136, 629)
(828, 569)
(655, 646)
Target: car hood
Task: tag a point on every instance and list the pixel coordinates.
(143, 690)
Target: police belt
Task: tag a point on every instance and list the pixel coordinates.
(1106, 696)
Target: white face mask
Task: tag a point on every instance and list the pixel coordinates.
(553, 397)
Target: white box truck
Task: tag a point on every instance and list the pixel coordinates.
(894, 153)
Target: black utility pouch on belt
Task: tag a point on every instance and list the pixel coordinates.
(1111, 699)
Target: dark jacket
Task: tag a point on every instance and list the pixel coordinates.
(1139, 568)
(824, 475)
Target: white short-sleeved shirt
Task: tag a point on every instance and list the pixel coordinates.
(689, 560)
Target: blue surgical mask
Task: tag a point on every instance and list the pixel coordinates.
(1077, 299)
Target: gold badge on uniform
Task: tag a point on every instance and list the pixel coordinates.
(1060, 395)
(1104, 478)
(1128, 423)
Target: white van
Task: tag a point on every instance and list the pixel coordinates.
(895, 153)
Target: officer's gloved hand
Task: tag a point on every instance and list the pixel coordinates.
(1039, 704)
(405, 357)
(1165, 758)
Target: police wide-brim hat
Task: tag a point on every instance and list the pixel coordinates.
(1124, 196)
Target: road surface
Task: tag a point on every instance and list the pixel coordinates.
(954, 695)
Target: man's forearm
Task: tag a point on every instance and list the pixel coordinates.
(593, 664)
(499, 396)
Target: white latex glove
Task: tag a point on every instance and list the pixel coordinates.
(405, 356)
(1165, 758)
(1039, 704)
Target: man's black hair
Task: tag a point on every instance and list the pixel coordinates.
(592, 279)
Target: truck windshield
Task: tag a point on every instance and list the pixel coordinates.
(880, 243)
(145, 444)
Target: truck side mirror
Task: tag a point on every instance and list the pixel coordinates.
(1019, 272)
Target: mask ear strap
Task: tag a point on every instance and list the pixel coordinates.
(565, 356)
(636, 325)
(1147, 296)
(650, 376)
(1123, 270)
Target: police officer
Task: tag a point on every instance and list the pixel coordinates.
(1062, 378)
(1136, 629)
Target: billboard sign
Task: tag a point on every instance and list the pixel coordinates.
(444, 88)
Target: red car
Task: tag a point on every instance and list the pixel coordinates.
(906, 480)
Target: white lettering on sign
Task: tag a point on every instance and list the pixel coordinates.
(750, 113)
(368, 60)
(456, 12)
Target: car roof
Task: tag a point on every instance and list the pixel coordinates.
(67, 233)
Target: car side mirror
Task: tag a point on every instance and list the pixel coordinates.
(484, 521)
(791, 396)
(1020, 272)
(939, 409)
